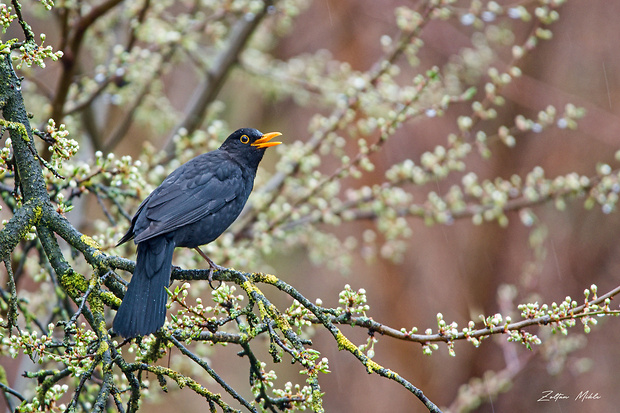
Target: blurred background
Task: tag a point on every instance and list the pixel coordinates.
(462, 269)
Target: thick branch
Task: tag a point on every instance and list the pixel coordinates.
(14, 111)
(18, 226)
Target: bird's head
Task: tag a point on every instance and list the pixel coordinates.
(249, 144)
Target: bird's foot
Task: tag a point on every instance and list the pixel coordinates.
(212, 267)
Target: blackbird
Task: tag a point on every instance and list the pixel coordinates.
(191, 207)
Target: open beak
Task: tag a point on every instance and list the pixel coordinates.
(263, 141)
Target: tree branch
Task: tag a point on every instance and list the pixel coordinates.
(215, 77)
(71, 50)
(211, 373)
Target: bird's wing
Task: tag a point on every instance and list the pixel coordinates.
(203, 187)
(131, 232)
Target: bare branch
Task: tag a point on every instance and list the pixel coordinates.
(215, 77)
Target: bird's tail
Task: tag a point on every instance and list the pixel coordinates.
(143, 310)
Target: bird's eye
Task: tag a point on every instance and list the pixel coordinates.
(244, 139)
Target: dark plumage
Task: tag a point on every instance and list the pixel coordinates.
(191, 207)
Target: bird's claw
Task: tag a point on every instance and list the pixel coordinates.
(213, 266)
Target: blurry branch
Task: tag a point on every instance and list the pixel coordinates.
(73, 33)
(120, 131)
(214, 78)
(87, 102)
(493, 97)
(342, 115)
(481, 110)
(354, 209)
(384, 134)
(339, 116)
(140, 18)
(85, 105)
(479, 389)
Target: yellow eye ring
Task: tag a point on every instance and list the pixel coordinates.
(244, 139)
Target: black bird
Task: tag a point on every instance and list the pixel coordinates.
(191, 207)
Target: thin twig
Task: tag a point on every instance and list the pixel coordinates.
(11, 391)
(211, 372)
(28, 33)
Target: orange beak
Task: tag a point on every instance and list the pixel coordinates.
(263, 141)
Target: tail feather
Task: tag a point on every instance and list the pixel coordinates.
(143, 310)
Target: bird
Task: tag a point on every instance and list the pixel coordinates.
(193, 206)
